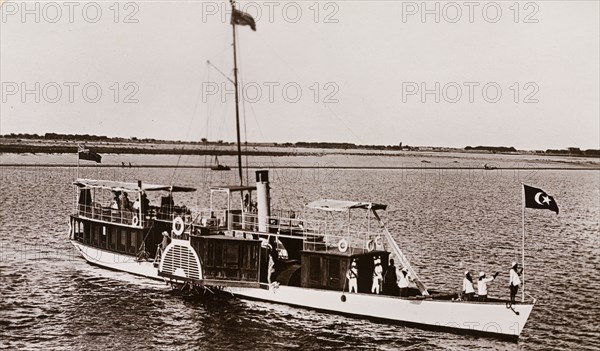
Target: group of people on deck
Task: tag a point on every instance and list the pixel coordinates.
(468, 291)
(395, 281)
(121, 202)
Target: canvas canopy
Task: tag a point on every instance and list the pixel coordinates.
(128, 186)
(232, 188)
(341, 205)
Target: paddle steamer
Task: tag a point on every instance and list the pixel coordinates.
(237, 246)
(243, 249)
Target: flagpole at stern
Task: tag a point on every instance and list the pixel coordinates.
(523, 241)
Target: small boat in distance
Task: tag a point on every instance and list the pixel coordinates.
(218, 166)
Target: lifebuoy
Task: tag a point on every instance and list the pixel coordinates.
(343, 245)
(135, 220)
(370, 245)
(378, 242)
(178, 226)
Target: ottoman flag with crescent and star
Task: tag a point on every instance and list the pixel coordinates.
(537, 198)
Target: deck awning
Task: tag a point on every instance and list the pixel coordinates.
(341, 205)
(232, 188)
(129, 186)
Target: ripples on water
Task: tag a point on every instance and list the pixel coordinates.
(447, 221)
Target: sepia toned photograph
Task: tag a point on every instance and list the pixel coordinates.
(299, 175)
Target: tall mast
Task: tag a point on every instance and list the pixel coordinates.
(237, 107)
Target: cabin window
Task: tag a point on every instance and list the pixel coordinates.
(218, 254)
(248, 258)
(244, 258)
(315, 269)
(95, 232)
(123, 241)
(96, 238)
(215, 254)
(118, 239)
(232, 255)
(75, 228)
(132, 245)
(210, 254)
(140, 241)
(87, 237)
(80, 232)
(334, 271)
(253, 257)
(103, 241)
(86, 230)
(112, 238)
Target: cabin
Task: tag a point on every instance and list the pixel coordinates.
(327, 270)
(251, 247)
(214, 260)
(99, 219)
(227, 258)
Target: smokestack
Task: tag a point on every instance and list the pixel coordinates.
(263, 199)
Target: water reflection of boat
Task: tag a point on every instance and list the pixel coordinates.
(218, 166)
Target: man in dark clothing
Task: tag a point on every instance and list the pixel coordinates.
(390, 285)
(144, 203)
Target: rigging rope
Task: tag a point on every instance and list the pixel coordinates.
(187, 134)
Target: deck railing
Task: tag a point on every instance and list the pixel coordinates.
(214, 219)
(317, 235)
(108, 214)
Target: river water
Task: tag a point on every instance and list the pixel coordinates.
(446, 221)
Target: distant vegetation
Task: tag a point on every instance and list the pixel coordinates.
(572, 151)
(492, 148)
(149, 146)
(101, 138)
(325, 145)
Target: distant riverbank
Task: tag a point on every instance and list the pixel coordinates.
(41, 145)
(311, 159)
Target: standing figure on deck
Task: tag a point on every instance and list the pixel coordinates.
(468, 290)
(125, 207)
(377, 275)
(165, 241)
(144, 203)
(390, 278)
(271, 266)
(247, 203)
(404, 280)
(352, 276)
(482, 285)
(114, 204)
(514, 281)
(161, 247)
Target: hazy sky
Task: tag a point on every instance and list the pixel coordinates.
(367, 72)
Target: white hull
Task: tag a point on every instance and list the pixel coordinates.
(469, 317)
(115, 261)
